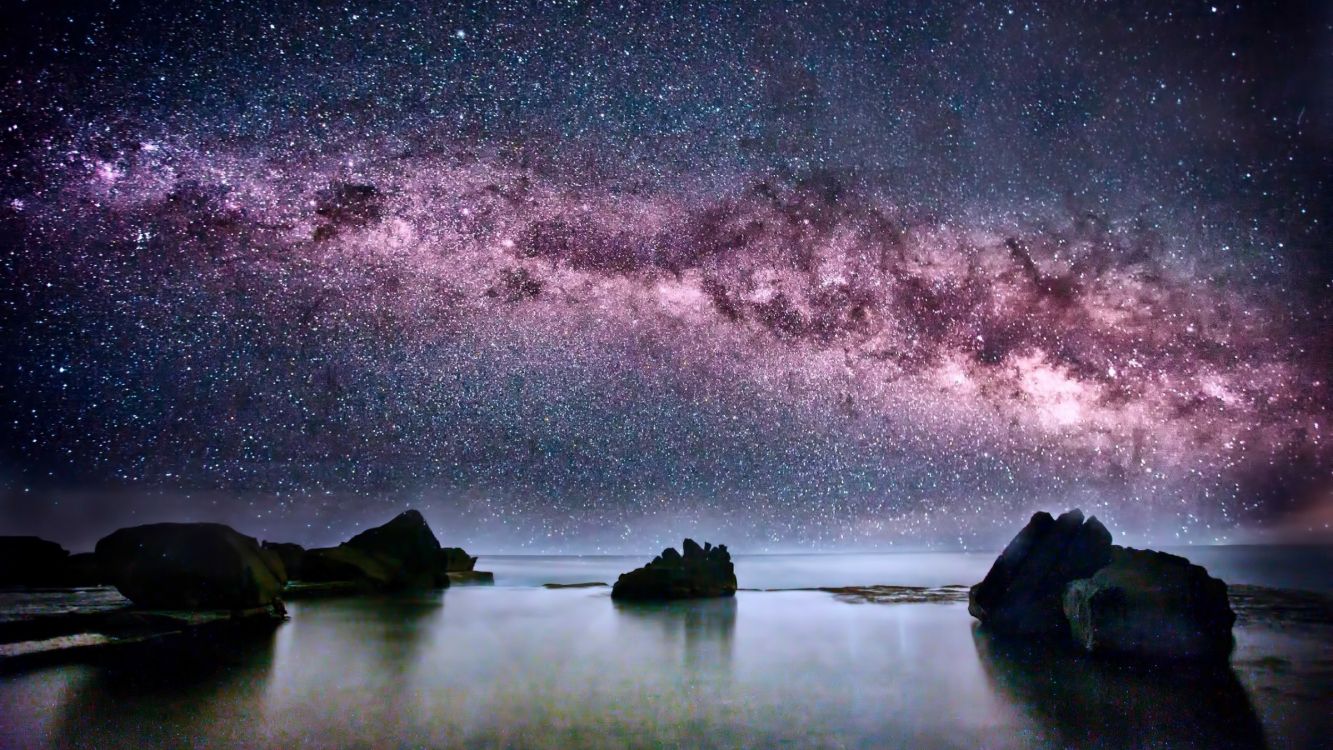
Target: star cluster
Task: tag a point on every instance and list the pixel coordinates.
(579, 276)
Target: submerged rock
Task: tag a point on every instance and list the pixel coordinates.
(701, 572)
(191, 566)
(475, 577)
(1150, 604)
(1024, 590)
(30, 561)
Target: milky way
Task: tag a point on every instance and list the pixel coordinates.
(576, 278)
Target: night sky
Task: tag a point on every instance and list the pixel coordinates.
(586, 277)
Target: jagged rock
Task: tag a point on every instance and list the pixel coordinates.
(291, 556)
(30, 561)
(401, 554)
(455, 560)
(1150, 604)
(190, 566)
(1024, 590)
(701, 572)
(405, 546)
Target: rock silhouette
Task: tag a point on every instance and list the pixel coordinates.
(1024, 590)
(1063, 577)
(700, 572)
(401, 554)
(190, 566)
(1150, 604)
(455, 560)
(291, 556)
(30, 561)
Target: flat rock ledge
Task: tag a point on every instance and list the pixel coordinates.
(883, 594)
(471, 577)
(65, 637)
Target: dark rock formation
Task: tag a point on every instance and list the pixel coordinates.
(30, 561)
(334, 564)
(472, 577)
(82, 570)
(190, 566)
(401, 554)
(700, 572)
(454, 560)
(141, 637)
(291, 556)
(1150, 604)
(1024, 590)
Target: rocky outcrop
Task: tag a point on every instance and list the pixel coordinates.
(82, 570)
(1063, 576)
(401, 554)
(31, 561)
(1023, 592)
(455, 560)
(292, 556)
(700, 572)
(36, 562)
(191, 566)
(1150, 604)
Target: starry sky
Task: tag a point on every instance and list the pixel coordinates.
(589, 277)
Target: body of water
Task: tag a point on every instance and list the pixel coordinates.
(517, 665)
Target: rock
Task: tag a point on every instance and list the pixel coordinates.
(701, 572)
(291, 556)
(454, 560)
(401, 554)
(473, 577)
(30, 561)
(405, 547)
(339, 564)
(1150, 604)
(191, 566)
(1024, 590)
(82, 570)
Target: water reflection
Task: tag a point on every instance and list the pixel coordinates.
(703, 627)
(1085, 702)
(197, 687)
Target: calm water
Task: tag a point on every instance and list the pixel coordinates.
(516, 665)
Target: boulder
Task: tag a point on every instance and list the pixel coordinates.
(191, 566)
(1153, 605)
(30, 561)
(455, 560)
(700, 572)
(291, 556)
(1023, 594)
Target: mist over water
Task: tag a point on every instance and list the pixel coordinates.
(517, 665)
